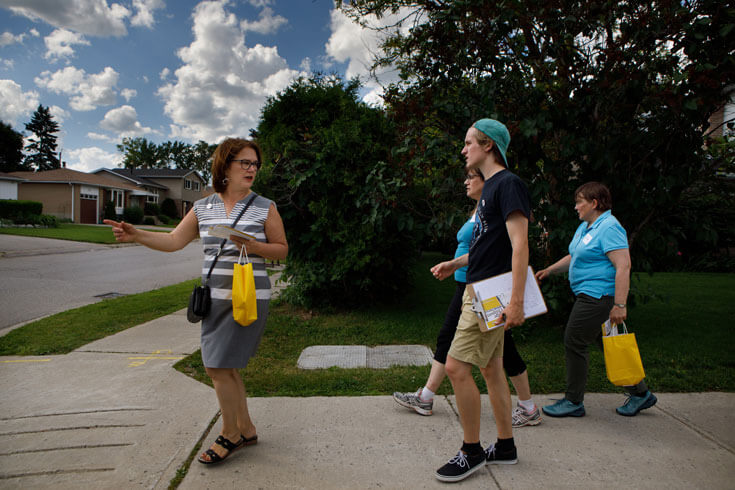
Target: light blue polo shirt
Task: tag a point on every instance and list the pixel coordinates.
(591, 271)
(464, 238)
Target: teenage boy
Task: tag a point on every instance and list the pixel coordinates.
(500, 245)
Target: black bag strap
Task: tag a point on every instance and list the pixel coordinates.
(225, 240)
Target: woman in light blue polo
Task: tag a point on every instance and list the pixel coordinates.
(599, 275)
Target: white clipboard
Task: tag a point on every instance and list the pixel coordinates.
(490, 296)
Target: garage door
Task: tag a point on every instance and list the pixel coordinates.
(88, 209)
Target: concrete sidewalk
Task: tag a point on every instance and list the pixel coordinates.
(114, 414)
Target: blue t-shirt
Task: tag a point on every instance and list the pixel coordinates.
(591, 271)
(464, 237)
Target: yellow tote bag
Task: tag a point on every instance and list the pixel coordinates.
(622, 358)
(244, 303)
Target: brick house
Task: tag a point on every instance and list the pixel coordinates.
(69, 194)
(156, 184)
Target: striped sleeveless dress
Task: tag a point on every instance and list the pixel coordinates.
(226, 343)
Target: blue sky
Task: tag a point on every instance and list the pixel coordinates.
(165, 69)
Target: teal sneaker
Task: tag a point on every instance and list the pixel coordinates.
(564, 408)
(635, 404)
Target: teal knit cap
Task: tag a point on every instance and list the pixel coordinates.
(496, 131)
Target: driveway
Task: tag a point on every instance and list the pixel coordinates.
(41, 276)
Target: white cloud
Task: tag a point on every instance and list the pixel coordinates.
(14, 103)
(144, 12)
(7, 38)
(91, 17)
(90, 158)
(8, 64)
(164, 74)
(86, 92)
(128, 93)
(260, 3)
(35, 33)
(59, 114)
(102, 137)
(59, 44)
(266, 23)
(357, 46)
(123, 121)
(222, 84)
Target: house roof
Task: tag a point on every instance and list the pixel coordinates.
(131, 175)
(69, 176)
(6, 176)
(166, 173)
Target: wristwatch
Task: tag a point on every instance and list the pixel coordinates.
(620, 305)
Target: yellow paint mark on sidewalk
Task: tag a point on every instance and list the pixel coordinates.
(27, 360)
(139, 361)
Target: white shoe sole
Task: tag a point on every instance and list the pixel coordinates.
(418, 410)
(461, 477)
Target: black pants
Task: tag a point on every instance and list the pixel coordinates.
(512, 361)
(584, 328)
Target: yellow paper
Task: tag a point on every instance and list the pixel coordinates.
(244, 302)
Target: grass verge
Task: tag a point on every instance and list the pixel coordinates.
(69, 330)
(684, 337)
(69, 231)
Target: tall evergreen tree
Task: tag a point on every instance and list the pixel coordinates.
(11, 149)
(41, 149)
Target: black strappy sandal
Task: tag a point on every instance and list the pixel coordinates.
(215, 458)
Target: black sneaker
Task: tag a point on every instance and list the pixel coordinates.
(493, 456)
(460, 467)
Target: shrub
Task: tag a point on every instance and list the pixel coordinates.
(352, 240)
(152, 209)
(109, 211)
(133, 214)
(164, 219)
(148, 220)
(168, 207)
(49, 221)
(19, 210)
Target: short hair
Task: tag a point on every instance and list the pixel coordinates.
(483, 139)
(223, 156)
(595, 191)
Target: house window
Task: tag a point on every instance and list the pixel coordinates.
(117, 198)
(153, 198)
(187, 184)
(196, 186)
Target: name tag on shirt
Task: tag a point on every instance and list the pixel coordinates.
(587, 239)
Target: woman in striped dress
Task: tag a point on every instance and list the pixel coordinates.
(226, 345)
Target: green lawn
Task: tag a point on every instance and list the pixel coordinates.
(68, 231)
(684, 348)
(684, 336)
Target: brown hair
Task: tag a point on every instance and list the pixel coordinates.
(595, 191)
(223, 156)
(483, 139)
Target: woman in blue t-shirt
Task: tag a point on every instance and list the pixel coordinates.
(422, 401)
(599, 275)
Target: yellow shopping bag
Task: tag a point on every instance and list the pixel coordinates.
(622, 358)
(244, 303)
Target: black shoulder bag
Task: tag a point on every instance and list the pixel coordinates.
(201, 297)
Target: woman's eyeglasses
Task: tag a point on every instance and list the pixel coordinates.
(248, 164)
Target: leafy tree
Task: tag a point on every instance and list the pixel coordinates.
(140, 153)
(41, 148)
(618, 92)
(351, 239)
(11, 149)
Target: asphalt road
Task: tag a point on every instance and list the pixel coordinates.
(40, 277)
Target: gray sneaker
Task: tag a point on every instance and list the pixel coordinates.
(522, 418)
(413, 401)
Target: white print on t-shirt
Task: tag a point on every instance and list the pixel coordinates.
(587, 238)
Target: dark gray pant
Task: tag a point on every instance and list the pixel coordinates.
(584, 328)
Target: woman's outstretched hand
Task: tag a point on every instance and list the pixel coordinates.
(124, 232)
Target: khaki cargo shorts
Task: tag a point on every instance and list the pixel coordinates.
(470, 344)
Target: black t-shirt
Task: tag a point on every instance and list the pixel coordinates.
(491, 252)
